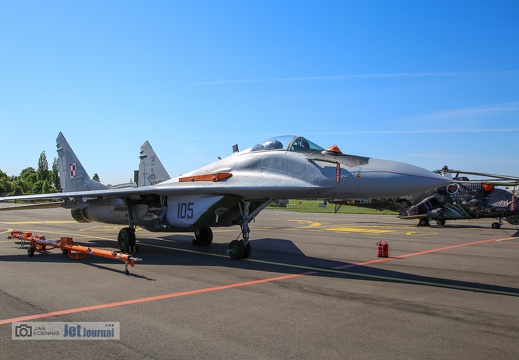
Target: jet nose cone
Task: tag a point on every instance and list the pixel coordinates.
(392, 178)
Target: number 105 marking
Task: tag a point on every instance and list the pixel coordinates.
(185, 210)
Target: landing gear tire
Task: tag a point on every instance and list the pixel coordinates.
(246, 251)
(496, 225)
(236, 250)
(423, 222)
(126, 239)
(30, 251)
(203, 237)
(441, 222)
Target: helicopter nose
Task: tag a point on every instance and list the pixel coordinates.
(397, 178)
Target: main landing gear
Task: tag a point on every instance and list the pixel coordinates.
(203, 237)
(126, 236)
(126, 240)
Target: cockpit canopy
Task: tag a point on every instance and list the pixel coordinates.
(288, 143)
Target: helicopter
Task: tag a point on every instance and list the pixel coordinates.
(461, 199)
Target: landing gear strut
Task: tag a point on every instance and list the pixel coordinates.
(241, 249)
(126, 237)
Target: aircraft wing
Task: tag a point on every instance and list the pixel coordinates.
(123, 192)
(189, 185)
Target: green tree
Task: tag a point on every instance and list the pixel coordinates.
(43, 167)
(17, 189)
(29, 175)
(5, 183)
(45, 187)
(26, 182)
(54, 176)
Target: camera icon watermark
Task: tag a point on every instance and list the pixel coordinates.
(22, 330)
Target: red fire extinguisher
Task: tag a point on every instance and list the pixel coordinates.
(385, 249)
(380, 249)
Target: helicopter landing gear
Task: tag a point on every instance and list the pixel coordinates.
(423, 222)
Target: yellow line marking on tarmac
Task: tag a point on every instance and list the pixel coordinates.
(307, 223)
(317, 226)
(359, 230)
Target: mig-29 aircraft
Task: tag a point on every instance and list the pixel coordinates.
(230, 191)
(461, 199)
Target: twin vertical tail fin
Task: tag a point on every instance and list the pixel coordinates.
(72, 175)
(151, 170)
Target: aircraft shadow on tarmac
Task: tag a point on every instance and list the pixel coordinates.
(270, 255)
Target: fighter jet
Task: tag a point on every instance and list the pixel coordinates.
(230, 191)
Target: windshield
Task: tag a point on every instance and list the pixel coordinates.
(288, 143)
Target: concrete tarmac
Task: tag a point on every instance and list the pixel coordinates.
(313, 288)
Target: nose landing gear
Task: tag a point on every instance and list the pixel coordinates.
(241, 249)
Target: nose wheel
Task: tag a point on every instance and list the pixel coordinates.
(241, 249)
(237, 250)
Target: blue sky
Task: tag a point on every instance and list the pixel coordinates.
(430, 83)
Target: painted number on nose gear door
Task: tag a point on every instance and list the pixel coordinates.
(185, 210)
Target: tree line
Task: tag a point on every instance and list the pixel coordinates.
(32, 181)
